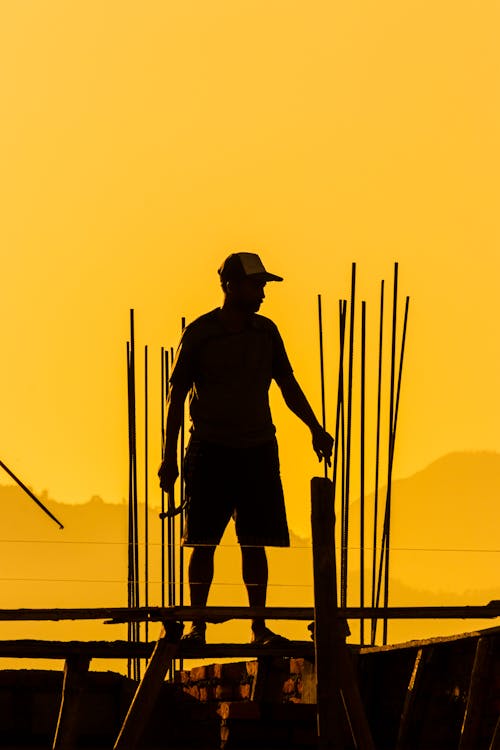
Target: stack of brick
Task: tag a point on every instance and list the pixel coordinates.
(277, 680)
(218, 682)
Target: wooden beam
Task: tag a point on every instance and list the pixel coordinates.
(222, 614)
(411, 713)
(75, 674)
(147, 692)
(341, 716)
(33, 649)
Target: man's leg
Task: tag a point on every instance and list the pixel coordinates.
(255, 576)
(201, 573)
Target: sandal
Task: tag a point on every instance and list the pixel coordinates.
(268, 638)
(195, 637)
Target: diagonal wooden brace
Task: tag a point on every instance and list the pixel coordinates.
(147, 692)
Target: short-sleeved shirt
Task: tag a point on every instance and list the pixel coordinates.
(229, 375)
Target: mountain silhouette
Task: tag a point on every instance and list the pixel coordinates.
(444, 550)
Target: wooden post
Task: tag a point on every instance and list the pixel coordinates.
(478, 689)
(75, 672)
(411, 715)
(342, 722)
(146, 694)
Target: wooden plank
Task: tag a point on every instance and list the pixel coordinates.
(147, 692)
(409, 714)
(331, 716)
(478, 691)
(223, 614)
(75, 674)
(34, 649)
(339, 705)
(484, 632)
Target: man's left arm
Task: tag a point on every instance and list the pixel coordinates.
(297, 402)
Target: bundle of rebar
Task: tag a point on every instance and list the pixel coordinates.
(343, 446)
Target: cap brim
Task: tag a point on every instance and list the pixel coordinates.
(265, 276)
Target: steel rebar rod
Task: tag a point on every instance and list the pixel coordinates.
(130, 558)
(339, 407)
(146, 488)
(172, 574)
(387, 519)
(345, 534)
(362, 471)
(162, 515)
(134, 541)
(182, 490)
(391, 464)
(322, 376)
(181, 494)
(377, 456)
(30, 493)
(340, 390)
(391, 456)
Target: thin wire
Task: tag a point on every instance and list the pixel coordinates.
(237, 546)
(120, 580)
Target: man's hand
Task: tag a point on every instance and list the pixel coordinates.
(322, 444)
(168, 473)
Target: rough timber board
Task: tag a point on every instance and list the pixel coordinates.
(34, 649)
(222, 614)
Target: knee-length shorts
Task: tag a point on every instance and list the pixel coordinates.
(241, 483)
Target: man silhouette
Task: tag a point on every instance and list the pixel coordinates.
(226, 361)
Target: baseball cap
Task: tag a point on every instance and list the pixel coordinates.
(242, 265)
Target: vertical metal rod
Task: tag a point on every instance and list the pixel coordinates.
(345, 543)
(146, 490)
(339, 407)
(362, 477)
(135, 528)
(322, 375)
(170, 522)
(387, 528)
(343, 470)
(383, 550)
(377, 457)
(387, 525)
(400, 373)
(172, 574)
(340, 389)
(130, 557)
(181, 494)
(162, 410)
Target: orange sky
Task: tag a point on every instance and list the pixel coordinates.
(142, 142)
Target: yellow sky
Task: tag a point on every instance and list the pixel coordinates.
(142, 142)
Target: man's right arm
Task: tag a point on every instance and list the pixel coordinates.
(169, 470)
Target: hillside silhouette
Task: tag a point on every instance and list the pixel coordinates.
(444, 541)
